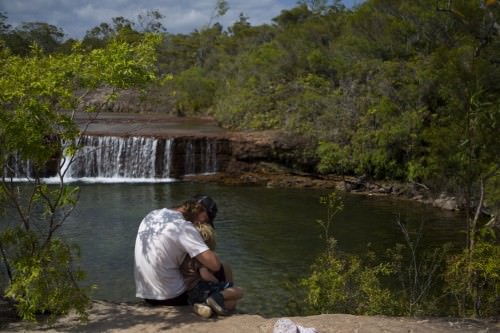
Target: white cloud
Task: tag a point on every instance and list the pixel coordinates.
(91, 13)
(76, 17)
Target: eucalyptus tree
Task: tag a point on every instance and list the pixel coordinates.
(38, 96)
(120, 28)
(20, 38)
(150, 21)
(4, 26)
(467, 77)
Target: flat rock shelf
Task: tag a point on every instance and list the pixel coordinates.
(132, 318)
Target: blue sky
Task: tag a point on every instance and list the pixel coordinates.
(181, 16)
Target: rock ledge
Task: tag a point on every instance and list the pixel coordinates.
(135, 318)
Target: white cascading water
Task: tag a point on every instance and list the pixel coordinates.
(189, 161)
(210, 164)
(16, 166)
(167, 159)
(206, 162)
(107, 157)
(133, 159)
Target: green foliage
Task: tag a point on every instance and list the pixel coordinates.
(36, 93)
(150, 21)
(385, 139)
(306, 97)
(233, 110)
(469, 118)
(341, 283)
(193, 91)
(249, 100)
(34, 88)
(48, 37)
(121, 29)
(493, 200)
(220, 9)
(30, 89)
(405, 90)
(345, 284)
(333, 158)
(473, 278)
(419, 274)
(120, 65)
(46, 281)
(334, 205)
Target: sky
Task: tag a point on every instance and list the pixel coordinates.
(76, 17)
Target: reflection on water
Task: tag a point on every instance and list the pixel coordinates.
(268, 235)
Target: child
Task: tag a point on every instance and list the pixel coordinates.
(203, 286)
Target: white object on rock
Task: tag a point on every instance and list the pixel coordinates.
(285, 325)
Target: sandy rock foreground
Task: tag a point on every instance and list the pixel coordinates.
(110, 317)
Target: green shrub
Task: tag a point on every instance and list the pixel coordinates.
(419, 275)
(193, 91)
(342, 283)
(473, 278)
(44, 279)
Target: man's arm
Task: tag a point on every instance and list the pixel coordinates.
(209, 260)
(207, 275)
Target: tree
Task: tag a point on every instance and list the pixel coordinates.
(468, 82)
(220, 9)
(36, 129)
(98, 36)
(151, 22)
(193, 91)
(4, 26)
(20, 39)
(121, 28)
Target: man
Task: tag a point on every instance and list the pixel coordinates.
(164, 238)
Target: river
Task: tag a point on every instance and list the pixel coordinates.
(268, 235)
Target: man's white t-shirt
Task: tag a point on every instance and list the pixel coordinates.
(163, 239)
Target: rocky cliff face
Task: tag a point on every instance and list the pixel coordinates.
(200, 150)
(199, 155)
(199, 142)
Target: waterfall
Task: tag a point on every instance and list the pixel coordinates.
(107, 157)
(189, 159)
(167, 159)
(210, 157)
(200, 156)
(15, 166)
(131, 159)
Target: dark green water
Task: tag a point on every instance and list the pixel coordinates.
(269, 236)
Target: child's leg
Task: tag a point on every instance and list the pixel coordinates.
(228, 272)
(231, 297)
